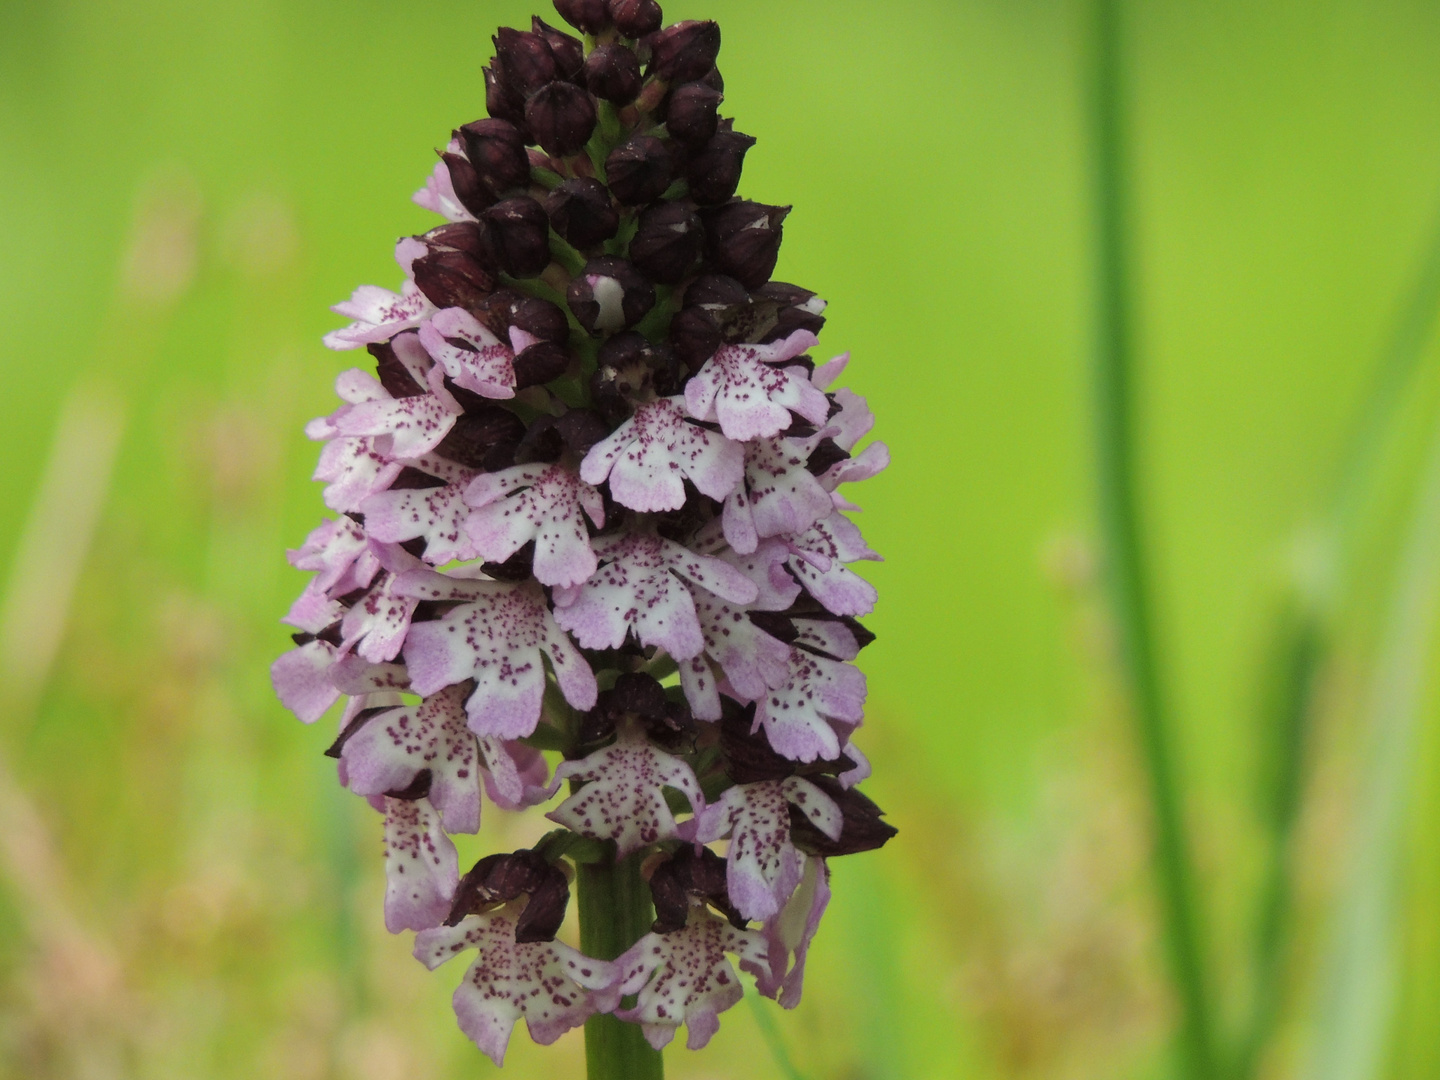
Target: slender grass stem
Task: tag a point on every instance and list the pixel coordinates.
(1304, 641)
(615, 912)
(1127, 572)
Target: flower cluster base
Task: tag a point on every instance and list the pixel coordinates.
(588, 505)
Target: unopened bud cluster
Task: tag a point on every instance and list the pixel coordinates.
(588, 505)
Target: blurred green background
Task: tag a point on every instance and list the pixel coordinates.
(186, 186)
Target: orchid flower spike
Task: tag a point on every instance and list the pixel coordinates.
(588, 536)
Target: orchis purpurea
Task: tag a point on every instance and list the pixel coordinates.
(589, 506)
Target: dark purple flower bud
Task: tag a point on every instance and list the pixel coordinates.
(539, 363)
(684, 875)
(694, 336)
(716, 293)
(467, 236)
(613, 73)
(542, 442)
(497, 879)
(472, 191)
(452, 279)
(589, 16)
(569, 53)
(394, 376)
(797, 309)
(610, 294)
(686, 51)
(639, 170)
(524, 61)
(495, 311)
(483, 438)
(496, 150)
(691, 116)
(582, 212)
(667, 242)
(539, 318)
(502, 101)
(714, 80)
(714, 173)
(744, 240)
(863, 829)
(561, 116)
(580, 429)
(636, 18)
(522, 235)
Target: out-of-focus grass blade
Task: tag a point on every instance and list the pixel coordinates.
(1359, 971)
(1302, 638)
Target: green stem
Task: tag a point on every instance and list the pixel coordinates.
(1125, 556)
(615, 912)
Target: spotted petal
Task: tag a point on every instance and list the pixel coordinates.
(623, 798)
(763, 867)
(390, 749)
(779, 494)
(741, 387)
(495, 637)
(379, 315)
(473, 357)
(340, 555)
(376, 625)
(550, 509)
(639, 588)
(818, 561)
(437, 514)
(547, 982)
(799, 718)
(420, 868)
(648, 458)
(684, 978)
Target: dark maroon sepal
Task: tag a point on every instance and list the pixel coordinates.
(501, 100)
(524, 60)
(743, 240)
(498, 879)
(394, 376)
(639, 170)
(863, 829)
(612, 72)
(714, 172)
(685, 51)
(589, 16)
(522, 235)
(691, 117)
(748, 755)
(668, 241)
(452, 279)
(539, 318)
(561, 116)
(685, 875)
(636, 18)
(540, 363)
(484, 438)
(496, 149)
(694, 336)
(470, 188)
(568, 51)
(582, 213)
